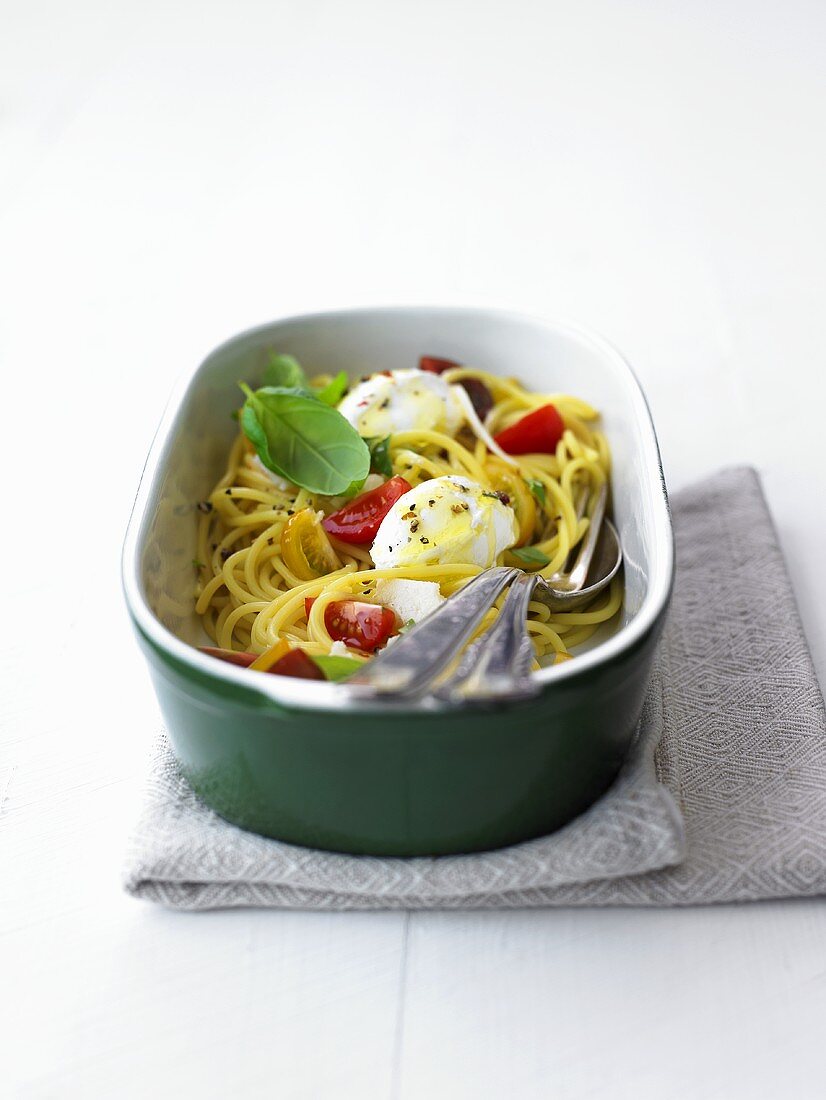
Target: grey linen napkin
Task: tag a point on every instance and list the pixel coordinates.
(723, 797)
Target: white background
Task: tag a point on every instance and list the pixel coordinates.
(174, 172)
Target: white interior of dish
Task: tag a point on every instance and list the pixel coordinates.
(190, 451)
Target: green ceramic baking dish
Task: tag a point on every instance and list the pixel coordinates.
(305, 762)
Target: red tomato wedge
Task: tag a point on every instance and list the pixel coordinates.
(363, 626)
(436, 366)
(294, 663)
(537, 433)
(360, 520)
(229, 655)
(297, 663)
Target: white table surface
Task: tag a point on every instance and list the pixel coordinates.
(174, 172)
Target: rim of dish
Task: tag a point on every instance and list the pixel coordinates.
(300, 694)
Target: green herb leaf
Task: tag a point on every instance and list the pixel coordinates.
(353, 489)
(284, 370)
(338, 668)
(333, 392)
(197, 564)
(531, 555)
(303, 440)
(380, 455)
(538, 489)
(404, 629)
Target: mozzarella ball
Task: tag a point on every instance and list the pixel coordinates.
(444, 521)
(401, 401)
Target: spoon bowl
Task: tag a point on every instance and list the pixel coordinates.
(603, 567)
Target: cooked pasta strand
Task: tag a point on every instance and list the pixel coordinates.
(248, 596)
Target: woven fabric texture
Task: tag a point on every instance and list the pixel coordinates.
(723, 796)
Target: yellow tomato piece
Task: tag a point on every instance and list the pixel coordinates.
(507, 480)
(305, 548)
(267, 659)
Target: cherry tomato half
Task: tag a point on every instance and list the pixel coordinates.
(305, 548)
(360, 520)
(435, 365)
(537, 433)
(229, 655)
(363, 626)
(297, 663)
(294, 662)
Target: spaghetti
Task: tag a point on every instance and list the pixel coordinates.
(253, 596)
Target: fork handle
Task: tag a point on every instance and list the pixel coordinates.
(498, 665)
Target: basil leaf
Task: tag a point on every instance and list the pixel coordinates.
(284, 370)
(333, 392)
(380, 455)
(338, 668)
(531, 555)
(303, 440)
(353, 489)
(538, 489)
(255, 433)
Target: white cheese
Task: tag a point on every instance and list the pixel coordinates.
(400, 401)
(409, 599)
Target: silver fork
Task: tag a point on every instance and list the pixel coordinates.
(412, 663)
(497, 665)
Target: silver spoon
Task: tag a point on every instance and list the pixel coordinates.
(566, 589)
